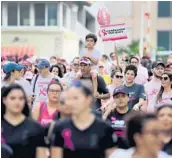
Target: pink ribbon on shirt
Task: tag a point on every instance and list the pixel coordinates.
(67, 133)
(42, 91)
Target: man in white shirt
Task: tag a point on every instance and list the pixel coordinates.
(40, 82)
(152, 88)
(142, 72)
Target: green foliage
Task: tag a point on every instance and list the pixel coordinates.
(132, 48)
(123, 49)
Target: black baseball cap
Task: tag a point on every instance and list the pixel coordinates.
(156, 63)
(119, 90)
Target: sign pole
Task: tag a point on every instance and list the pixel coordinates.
(116, 53)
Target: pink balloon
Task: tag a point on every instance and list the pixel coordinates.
(103, 16)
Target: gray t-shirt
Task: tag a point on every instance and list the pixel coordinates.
(136, 91)
(26, 86)
(95, 53)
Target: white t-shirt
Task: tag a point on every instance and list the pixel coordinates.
(26, 86)
(121, 153)
(152, 89)
(166, 99)
(142, 75)
(41, 87)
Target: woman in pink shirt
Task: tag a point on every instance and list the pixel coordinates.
(165, 94)
(45, 112)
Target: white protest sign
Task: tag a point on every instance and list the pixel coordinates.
(113, 32)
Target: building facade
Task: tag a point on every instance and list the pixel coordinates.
(51, 28)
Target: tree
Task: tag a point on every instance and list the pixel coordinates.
(134, 47)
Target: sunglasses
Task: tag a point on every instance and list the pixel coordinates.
(117, 76)
(101, 67)
(164, 78)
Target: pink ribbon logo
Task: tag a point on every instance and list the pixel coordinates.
(67, 133)
(42, 91)
(104, 32)
(154, 91)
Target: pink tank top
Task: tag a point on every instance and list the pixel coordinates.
(44, 117)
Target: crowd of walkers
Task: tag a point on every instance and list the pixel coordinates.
(88, 108)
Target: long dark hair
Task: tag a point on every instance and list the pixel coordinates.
(64, 67)
(5, 92)
(159, 96)
(7, 76)
(59, 69)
